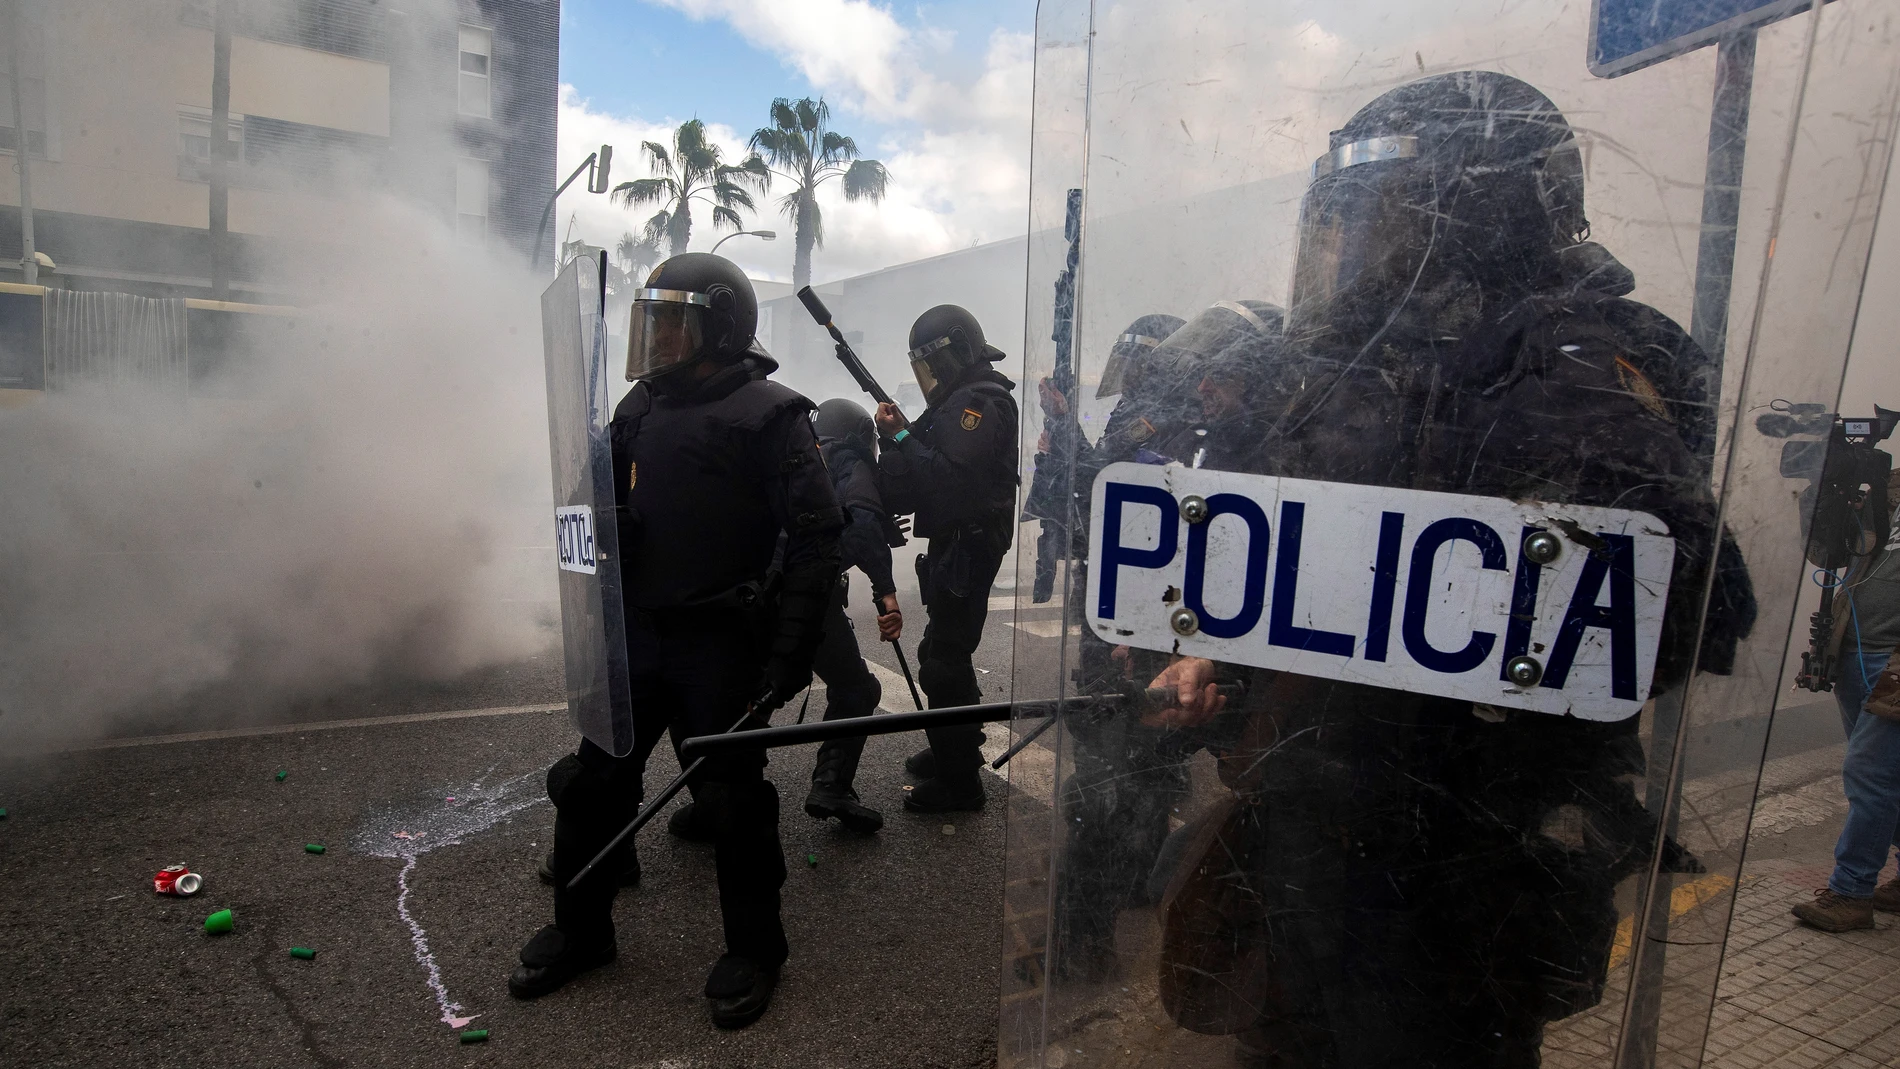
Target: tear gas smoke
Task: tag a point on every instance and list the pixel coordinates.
(359, 496)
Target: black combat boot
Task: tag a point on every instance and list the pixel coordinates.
(922, 765)
(831, 792)
(740, 989)
(552, 958)
(946, 794)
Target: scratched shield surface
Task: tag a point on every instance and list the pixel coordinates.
(1443, 500)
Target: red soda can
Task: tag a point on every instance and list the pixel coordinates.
(177, 880)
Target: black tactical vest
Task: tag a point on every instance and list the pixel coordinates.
(696, 522)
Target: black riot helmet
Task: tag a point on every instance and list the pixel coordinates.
(1469, 177)
(848, 422)
(695, 306)
(1177, 363)
(1125, 356)
(946, 343)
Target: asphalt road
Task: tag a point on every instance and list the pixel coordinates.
(895, 949)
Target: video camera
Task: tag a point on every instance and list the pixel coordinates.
(1845, 512)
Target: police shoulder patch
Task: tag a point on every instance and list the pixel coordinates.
(633, 474)
(971, 417)
(1640, 387)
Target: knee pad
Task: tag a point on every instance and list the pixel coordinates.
(730, 809)
(575, 788)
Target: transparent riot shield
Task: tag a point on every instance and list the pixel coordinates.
(1449, 516)
(586, 539)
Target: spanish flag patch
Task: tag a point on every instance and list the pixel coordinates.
(971, 417)
(1640, 387)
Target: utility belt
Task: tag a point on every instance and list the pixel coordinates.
(954, 560)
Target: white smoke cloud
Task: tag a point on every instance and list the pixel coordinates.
(363, 499)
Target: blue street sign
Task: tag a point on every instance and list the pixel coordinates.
(1627, 35)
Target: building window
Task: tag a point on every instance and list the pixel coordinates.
(194, 133)
(471, 200)
(476, 51)
(33, 105)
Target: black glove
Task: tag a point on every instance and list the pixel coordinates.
(784, 678)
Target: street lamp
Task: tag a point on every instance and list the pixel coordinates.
(767, 235)
(597, 163)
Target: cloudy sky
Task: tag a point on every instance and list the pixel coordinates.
(939, 92)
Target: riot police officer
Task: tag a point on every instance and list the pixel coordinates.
(848, 441)
(712, 461)
(1402, 879)
(955, 468)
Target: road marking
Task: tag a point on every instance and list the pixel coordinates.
(294, 729)
(1689, 896)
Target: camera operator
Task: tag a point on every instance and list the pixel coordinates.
(1866, 630)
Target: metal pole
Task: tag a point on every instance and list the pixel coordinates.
(29, 262)
(1708, 326)
(220, 205)
(534, 254)
(1722, 200)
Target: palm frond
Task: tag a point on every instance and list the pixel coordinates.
(644, 191)
(783, 116)
(839, 147)
(813, 115)
(657, 158)
(727, 218)
(866, 180)
(732, 195)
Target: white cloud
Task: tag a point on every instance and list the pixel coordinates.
(957, 141)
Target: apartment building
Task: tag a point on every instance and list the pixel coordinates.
(450, 103)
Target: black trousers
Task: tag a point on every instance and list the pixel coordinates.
(690, 676)
(850, 688)
(956, 591)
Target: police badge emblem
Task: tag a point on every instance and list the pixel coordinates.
(971, 417)
(633, 474)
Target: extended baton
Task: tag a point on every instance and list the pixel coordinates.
(846, 355)
(892, 723)
(915, 698)
(641, 818)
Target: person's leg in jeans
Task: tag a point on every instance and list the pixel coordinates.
(1870, 776)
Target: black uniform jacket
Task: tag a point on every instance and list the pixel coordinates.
(869, 536)
(707, 479)
(956, 469)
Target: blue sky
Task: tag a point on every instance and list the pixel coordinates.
(940, 93)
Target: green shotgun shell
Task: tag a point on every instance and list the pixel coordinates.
(3, 814)
(281, 773)
(219, 923)
(812, 860)
(478, 1035)
(313, 848)
(302, 952)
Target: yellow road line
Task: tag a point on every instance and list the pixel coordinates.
(1691, 895)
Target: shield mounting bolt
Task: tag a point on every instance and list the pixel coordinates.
(1194, 509)
(1184, 621)
(1524, 671)
(1542, 547)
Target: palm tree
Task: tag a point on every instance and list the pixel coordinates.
(801, 147)
(637, 254)
(695, 169)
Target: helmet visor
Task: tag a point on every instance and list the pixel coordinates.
(933, 365)
(1363, 226)
(1124, 363)
(667, 330)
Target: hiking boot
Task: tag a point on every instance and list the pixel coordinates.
(921, 765)
(1832, 912)
(626, 870)
(739, 989)
(551, 959)
(1887, 896)
(961, 793)
(684, 825)
(831, 792)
